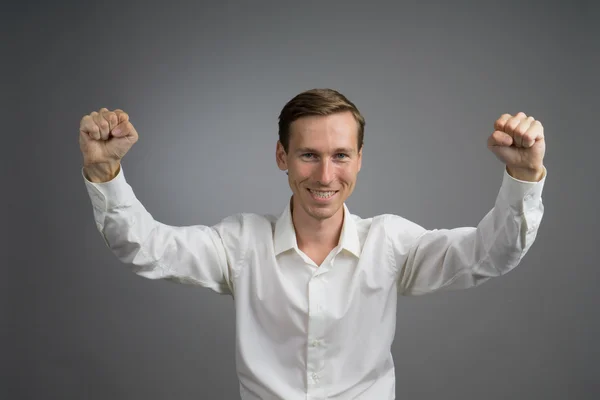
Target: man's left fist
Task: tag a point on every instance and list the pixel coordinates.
(518, 141)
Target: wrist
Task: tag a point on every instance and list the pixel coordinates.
(101, 172)
(526, 174)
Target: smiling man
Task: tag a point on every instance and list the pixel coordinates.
(323, 158)
(315, 288)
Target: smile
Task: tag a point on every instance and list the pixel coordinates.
(322, 194)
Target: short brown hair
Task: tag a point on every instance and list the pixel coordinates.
(317, 102)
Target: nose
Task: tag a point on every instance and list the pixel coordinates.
(325, 172)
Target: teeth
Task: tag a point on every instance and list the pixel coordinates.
(322, 195)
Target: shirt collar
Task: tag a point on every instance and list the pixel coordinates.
(285, 234)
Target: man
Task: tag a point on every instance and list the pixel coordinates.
(316, 288)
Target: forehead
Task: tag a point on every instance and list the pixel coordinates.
(329, 131)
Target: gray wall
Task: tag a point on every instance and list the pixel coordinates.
(203, 83)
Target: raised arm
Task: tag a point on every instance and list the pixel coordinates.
(199, 254)
(441, 259)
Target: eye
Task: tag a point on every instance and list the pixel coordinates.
(341, 156)
(308, 156)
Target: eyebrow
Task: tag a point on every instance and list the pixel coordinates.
(336, 151)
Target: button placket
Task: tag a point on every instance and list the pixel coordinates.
(316, 329)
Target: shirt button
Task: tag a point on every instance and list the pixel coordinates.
(315, 343)
(315, 377)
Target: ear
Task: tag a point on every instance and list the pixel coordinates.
(281, 157)
(360, 158)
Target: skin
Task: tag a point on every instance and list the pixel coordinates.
(518, 141)
(323, 155)
(104, 139)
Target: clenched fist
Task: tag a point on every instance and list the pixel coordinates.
(518, 141)
(104, 139)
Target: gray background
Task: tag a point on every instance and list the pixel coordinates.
(203, 84)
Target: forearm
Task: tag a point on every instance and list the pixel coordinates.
(122, 220)
(101, 172)
(527, 174)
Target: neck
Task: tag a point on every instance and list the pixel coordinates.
(317, 232)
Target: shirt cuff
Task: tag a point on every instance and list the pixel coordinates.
(106, 195)
(521, 195)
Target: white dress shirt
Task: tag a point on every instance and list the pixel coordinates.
(318, 332)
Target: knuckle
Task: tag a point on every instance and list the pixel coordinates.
(501, 122)
(90, 127)
(121, 115)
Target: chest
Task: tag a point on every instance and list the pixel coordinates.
(289, 295)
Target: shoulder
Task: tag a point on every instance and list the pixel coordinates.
(390, 225)
(240, 232)
(245, 224)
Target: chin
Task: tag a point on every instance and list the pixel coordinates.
(322, 213)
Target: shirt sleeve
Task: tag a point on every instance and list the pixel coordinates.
(460, 258)
(197, 255)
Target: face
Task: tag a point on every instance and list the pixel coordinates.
(323, 161)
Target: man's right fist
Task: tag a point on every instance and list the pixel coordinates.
(105, 137)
